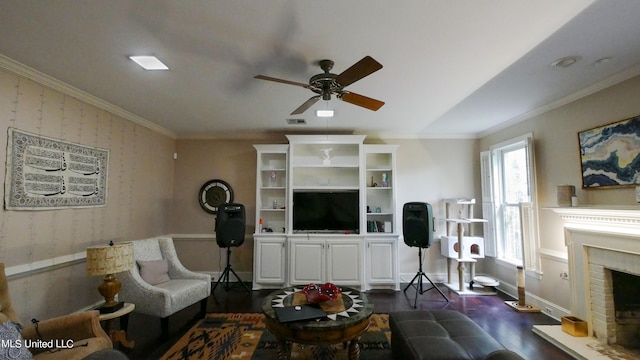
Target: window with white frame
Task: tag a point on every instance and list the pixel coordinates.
(509, 202)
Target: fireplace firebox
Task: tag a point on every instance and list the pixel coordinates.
(627, 308)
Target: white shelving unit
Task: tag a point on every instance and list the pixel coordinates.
(379, 191)
(269, 247)
(365, 259)
(271, 188)
(325, 163)
(381, 241)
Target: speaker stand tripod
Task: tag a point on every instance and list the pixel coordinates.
(418, 286)
(224, 277)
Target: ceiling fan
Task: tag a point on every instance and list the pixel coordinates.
(327, 84)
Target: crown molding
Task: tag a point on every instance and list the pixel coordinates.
(627, 74)
(419, 135)
(55, 84)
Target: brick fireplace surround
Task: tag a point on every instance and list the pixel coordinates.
(599, 240)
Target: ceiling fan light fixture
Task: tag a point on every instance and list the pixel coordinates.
(149, 62)
(565, 62)
(324, 113)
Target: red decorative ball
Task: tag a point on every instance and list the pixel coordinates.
(316, 294)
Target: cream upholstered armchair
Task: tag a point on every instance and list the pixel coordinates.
(159, 285)
(82, 328)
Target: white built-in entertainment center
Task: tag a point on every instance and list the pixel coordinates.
(326, 212)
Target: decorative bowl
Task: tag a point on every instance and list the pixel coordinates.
(321, 293)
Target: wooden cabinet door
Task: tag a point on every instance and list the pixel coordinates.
(381, 262)
(306, 262)
(344, 262)
(269, 261)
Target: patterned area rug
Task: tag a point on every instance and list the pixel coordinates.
(244, 336)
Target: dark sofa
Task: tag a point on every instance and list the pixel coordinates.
(442, 334)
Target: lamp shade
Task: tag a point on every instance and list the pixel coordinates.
(110, 259)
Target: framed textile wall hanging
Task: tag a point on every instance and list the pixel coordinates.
(45, 173)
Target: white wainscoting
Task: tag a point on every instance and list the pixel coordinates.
(44, 265)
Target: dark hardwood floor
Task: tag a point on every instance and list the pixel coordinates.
(511, 328)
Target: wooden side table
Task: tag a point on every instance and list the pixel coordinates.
(119, 335)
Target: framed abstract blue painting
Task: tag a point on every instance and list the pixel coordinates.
(610, 154)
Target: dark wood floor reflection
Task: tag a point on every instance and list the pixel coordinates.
(511, 328)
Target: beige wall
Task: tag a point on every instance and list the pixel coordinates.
(429, 171)
(233, 161)
(139, 194)
(558, 162)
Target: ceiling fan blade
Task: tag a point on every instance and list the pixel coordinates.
(361, 100)
(307, 104)
(288, 82)
(357, 71)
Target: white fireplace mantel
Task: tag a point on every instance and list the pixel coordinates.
(616, 219)
(600, 213)
(614, 229)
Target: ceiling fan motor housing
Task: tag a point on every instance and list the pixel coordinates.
(325, 85)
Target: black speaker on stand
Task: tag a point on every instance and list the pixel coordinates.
(417, 229)
(230, 230)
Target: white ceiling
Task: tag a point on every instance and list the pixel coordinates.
(451, 68)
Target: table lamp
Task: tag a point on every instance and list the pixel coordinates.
(110, 260)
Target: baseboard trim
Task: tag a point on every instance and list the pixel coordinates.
(406, 278)
(246, 277)
(548, 308)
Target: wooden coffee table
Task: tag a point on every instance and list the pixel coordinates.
(348, 319)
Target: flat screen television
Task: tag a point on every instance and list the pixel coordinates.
(326, 211)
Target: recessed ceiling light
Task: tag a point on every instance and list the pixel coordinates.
(565, 62)
(149, 62)
(324, 113)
